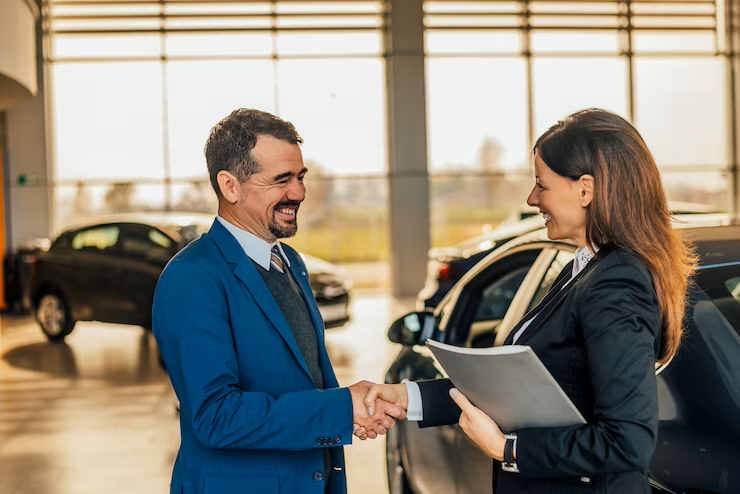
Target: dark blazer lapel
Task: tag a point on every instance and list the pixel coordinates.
(535, 312)
(557, 295)
(246, 272)
(546, 310)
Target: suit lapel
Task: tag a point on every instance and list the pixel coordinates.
(555, 296)
(246, 272)
(546, 309)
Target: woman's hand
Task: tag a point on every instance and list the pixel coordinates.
(480, 427)
(392, 393)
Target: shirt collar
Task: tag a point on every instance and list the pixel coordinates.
(254, 247)
(583, 256)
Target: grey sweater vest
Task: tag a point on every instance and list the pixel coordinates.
(291, 304)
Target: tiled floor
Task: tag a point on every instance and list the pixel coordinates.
(96, 414)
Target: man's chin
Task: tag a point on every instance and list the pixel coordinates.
(284, 231)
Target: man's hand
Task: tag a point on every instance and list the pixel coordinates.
(372, 421)
(381, 395)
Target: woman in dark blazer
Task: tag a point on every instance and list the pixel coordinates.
(610, 315)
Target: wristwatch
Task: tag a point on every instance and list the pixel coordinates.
(509, 464)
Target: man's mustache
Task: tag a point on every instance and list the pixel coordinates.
(287, 204)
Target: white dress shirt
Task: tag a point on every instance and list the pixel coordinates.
(257, 249)
(415, 409)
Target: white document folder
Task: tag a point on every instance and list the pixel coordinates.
(509, 383)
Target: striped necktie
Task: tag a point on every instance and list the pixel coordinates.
(276, 260)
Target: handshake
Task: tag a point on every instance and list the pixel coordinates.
(376, 406)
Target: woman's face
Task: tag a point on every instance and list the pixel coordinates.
(562, 202)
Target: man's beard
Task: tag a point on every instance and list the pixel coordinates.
(284, 231)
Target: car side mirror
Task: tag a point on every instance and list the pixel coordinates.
(412, 329)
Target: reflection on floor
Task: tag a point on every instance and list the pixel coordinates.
(96, 414)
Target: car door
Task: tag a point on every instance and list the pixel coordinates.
(90, 285)
(492, 300)
(427, 454)
(431, 460)
(143, 252)
(699, 392)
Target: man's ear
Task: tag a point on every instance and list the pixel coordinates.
(586, 186)
(229, 185)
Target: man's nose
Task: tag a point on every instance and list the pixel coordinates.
(297, 191)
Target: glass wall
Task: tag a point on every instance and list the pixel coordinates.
(137, 86)
(500, 73)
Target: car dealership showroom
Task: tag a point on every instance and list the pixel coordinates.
(419, 219)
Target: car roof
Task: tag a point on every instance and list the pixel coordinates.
(162, 220)
(716, 240)
(711, 238)
(683, 212)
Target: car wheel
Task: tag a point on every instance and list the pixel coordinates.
(54, 317)
(397, 481)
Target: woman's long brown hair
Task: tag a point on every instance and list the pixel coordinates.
(629, 208)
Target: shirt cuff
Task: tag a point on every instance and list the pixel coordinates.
(415, 410)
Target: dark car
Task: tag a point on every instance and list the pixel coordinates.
(108, 272)
(446, 265)
(698, 391)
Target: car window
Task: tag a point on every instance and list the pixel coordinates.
(733, 286)
(494, 302)
(722, 287)
(715, 315)
(146, 243)
(100, 239)
(473, 312)
(556, 267)
(496, 297)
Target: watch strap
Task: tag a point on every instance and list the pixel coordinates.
(509, 464)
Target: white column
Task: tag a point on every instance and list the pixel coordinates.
(28, 183)
(27, 180)
(732, 44)
(408, 180)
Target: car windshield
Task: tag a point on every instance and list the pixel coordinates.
(721, 287)
(716, 318)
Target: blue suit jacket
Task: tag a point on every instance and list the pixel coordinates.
(251, 420)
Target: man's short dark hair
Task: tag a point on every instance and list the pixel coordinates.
(231, 141)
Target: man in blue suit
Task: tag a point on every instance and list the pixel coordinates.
(242, 338)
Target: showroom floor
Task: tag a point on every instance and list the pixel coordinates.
(96, 414)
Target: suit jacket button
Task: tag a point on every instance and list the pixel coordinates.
(319, 441)
(337, 439)
(318, 476)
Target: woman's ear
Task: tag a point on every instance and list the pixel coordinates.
(586, 186)
(229, 186)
